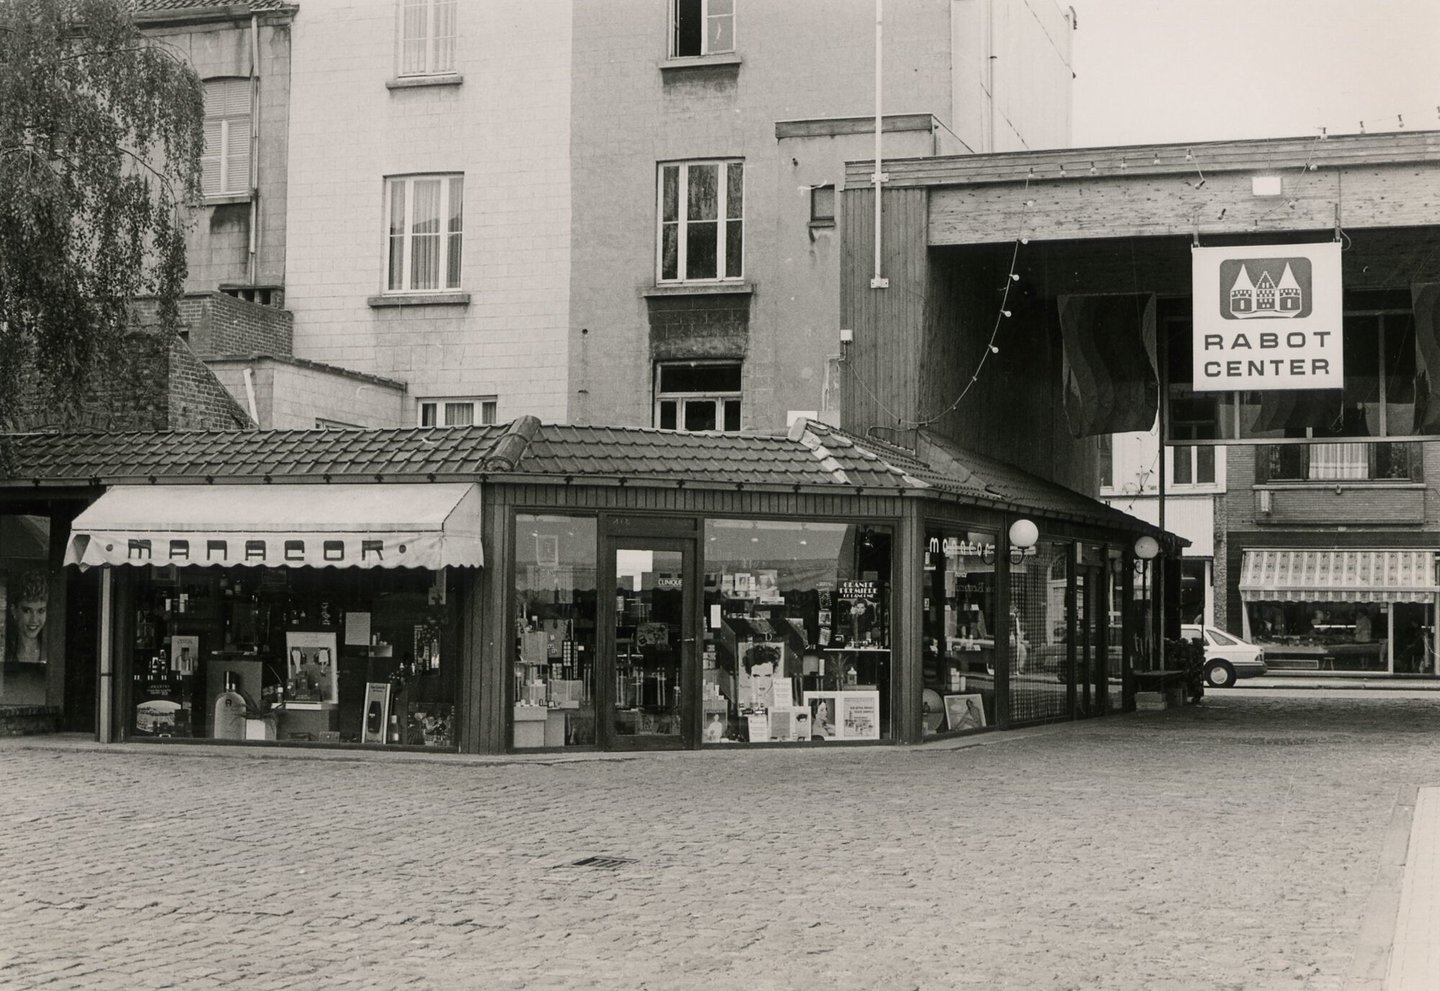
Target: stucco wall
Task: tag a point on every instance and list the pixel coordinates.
(798, 60)
(506, 126)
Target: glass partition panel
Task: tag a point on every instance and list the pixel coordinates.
(797, 631)
(555, 599)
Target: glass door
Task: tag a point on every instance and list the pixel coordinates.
(649, 674)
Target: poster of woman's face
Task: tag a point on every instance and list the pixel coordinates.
(24, 608)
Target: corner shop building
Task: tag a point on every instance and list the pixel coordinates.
(523, 586)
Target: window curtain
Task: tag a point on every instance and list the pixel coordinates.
(1339, 461)
(1425, 298)
(1111, 385)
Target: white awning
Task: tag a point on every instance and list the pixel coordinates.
(400, 525)
(1338, 576)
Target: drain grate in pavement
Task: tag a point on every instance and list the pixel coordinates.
(601, 863)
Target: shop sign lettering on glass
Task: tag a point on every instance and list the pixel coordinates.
(1267, 317)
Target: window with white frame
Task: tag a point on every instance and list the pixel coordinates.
(702, 221)
(425, 231)
(692, 396)
(427, 37)
(225, 166)
(701, 27)
(1192, 464)
(456, 412)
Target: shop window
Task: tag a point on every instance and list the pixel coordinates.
(958, 631)
(701, 27)
(225, 166)
(695, 396)
(300, 655)
(456, 412)
(702, 221)
(428, 33)
(1343, 635)
(26, 593)
(797, 631)
(425, 232)
(1039, 632)
(555, 597)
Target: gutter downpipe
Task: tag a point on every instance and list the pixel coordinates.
(254, 145)
(878, 282)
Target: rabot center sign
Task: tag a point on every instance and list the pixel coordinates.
(1267, 317)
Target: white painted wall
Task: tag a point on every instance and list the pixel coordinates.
(507, 128)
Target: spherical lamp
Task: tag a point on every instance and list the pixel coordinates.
(1023, 534)
(1146, 547)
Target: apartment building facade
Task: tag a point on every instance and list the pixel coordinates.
(487, 199)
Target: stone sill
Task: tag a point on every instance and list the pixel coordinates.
(419, 299)
(417, 82)
(1312, 484)
(224, 199)
(700, 62)
(700, 289)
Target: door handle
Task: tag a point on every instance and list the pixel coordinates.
(687, 639)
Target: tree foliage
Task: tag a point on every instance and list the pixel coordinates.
(101, 135)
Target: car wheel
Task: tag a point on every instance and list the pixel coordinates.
(1219, 674)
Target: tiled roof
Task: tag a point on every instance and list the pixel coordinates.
(724, 459)
(523, 447)
(280, 454)
(812, 455)
(1013, 486)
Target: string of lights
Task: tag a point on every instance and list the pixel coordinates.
(1089, 166)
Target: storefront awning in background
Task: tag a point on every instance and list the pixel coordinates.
(281, 526)
(1338, 576)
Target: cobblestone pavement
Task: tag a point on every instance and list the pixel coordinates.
(1246, 843)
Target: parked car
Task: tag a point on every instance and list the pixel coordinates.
(1227, 657)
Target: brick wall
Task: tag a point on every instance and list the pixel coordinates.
(217, 324)
(148, 384)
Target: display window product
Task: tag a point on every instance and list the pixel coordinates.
(1041, 666)
(27, 613)
(958, 628)
(554, 672)
(297, 655)
(796, 631)
(1337, 635)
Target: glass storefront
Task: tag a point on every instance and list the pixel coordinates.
(26, 613)
(1040, 621)
(797, 631)
(555, 672)
(295, 654)
(1345, 636)
(795, 647)
(958, 629)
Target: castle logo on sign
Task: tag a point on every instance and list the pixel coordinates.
(1265, 288)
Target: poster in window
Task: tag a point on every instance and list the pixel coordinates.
(184, 652)
(25, 620)
(823, 708)
(377, 712)
(859, 715)
(963, 712)
(310, 668)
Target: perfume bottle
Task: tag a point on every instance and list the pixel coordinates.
(230, 710)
